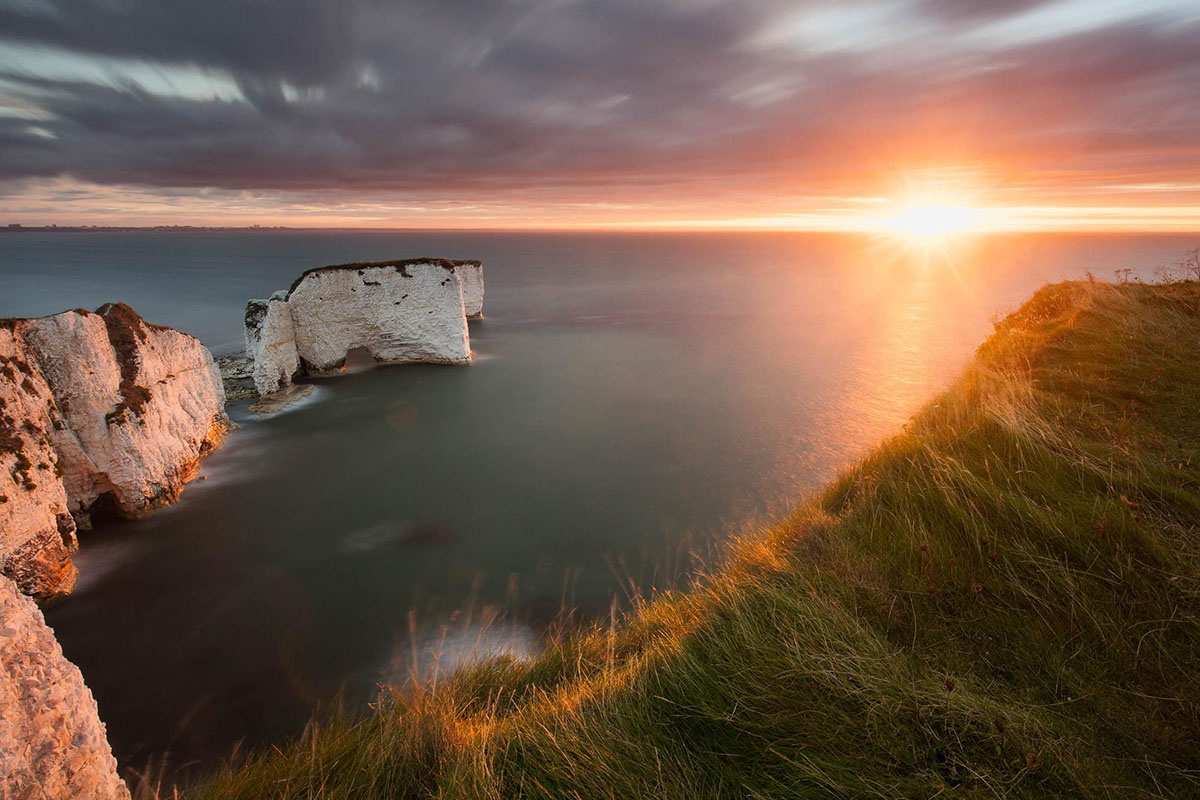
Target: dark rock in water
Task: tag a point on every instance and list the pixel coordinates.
(429, 534)
(278, 402)
(237, 376)
(388, 534)
(235, 368)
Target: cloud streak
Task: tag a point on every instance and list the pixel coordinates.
(607, 100)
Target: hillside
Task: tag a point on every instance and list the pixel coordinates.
(1003, 600)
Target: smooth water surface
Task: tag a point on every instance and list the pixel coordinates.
(633, 398)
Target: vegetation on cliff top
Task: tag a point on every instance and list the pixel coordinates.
(1003, 600)
(400, 265)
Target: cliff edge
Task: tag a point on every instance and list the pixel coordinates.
(52, 742)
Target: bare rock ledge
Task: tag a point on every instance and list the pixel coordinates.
(94, 406)
(403, 311)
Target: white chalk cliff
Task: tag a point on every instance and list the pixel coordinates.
(94, 405)
(413, 310)
(37, 532)
(470, 273)
(271, 343)
(52, 742)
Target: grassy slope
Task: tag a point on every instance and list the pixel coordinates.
(1003, 600)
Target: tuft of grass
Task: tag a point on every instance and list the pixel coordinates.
(1002, 601)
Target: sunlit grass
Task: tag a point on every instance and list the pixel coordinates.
(1001, 601)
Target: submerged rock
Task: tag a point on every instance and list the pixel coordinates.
(280, 401)
(52, 742)
(391, 534)
(95, 406)
(413, 310)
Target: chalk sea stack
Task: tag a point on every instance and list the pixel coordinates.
(94, 407)
(402, 311)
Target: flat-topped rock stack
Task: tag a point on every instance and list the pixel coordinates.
(404, 311)
(94, 405)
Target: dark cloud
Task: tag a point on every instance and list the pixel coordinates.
(306, 41)
(505, 95)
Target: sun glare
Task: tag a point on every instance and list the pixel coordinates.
(932, 222)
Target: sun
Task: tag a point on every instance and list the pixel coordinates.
(932, 222)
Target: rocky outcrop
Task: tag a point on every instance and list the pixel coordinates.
(413, 310)
(470, 273)
(237, 374)
(271, 343)
(401, 311)
(52, 742)
(96, 405)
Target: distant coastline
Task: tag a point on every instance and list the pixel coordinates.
(18, 228)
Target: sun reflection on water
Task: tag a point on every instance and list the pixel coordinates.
(919, 298)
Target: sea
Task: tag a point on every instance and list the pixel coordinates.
(636, 401)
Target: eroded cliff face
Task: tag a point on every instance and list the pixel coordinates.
(271, 343)
(400, 312)
(413, 310)
(52, 742)
(96, 405)
(37, 532)
(470, 274)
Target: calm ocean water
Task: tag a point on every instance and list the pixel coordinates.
(634, 398)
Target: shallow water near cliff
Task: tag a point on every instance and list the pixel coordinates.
(633, 399)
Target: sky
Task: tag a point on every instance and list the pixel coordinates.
(1064, 114)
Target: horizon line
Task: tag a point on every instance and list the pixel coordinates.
(1113, 229)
